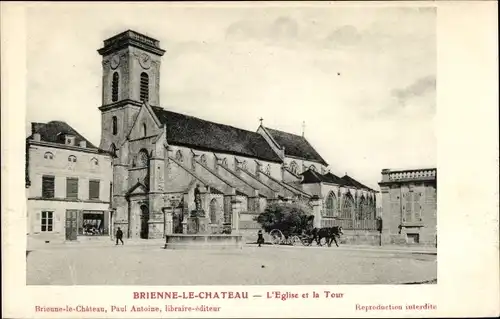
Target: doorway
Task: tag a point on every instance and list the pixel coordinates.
(144, 222)
(71, 224)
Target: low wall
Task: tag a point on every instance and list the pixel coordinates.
(360, 237)
(202, 241)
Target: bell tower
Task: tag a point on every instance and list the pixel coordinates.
(130, 76)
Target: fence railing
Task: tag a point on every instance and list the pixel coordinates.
(249, 224)
(350, 224)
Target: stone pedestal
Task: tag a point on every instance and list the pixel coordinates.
(197, 223)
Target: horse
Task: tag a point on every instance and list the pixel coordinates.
(329, 233)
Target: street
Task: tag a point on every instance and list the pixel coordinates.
(267, 265)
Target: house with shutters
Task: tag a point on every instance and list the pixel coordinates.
(68, 182)
(409, 205)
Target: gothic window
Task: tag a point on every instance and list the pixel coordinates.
(115, 125)
(312, 168)
(72, 159)
(144, 88)
(361, 213)
(48, 155)
(294, 168)
(347, 207)
(213, 211)
(114, 87)
(144, 130)
(224, 162)
(142, 159)
(268, 169)
(178, 156)
(331, 204)
(203, 159)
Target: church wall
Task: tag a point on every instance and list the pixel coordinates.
(152, 129)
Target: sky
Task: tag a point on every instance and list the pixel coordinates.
(363, 79)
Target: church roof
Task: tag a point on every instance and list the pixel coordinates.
(311, 177)
(349, 181)
(54, 132)
(194, 132)
(296, 145)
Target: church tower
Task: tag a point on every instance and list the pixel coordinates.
(130, 76)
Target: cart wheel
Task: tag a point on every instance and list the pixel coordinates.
(296, 241)
(276, 236)
(306, 242)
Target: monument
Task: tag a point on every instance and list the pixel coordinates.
(197, 234)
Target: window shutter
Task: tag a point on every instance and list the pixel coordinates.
(72, 188)
(94, 189)
(48, 186)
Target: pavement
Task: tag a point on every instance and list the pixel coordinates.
(147, 263)
(107, 242)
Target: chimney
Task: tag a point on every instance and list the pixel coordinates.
(36, 135)
(83, 144)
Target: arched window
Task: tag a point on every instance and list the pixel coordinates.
(144, 88)
(144, 131)
(94, 162)
(114, 87)
(224, 162)
(203, 159)
(142, 159)
(178, 156)
(312, 168)
(347, 207)
(112, 149)
(48, 155)
(330, 205)
(72, 158)
(115, 125)
(294, 168)
(213, 211)
(361, 211)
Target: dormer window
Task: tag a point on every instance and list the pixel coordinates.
(48, 155)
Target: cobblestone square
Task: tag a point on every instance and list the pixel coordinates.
(267, 265)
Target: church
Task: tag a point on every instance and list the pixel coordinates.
(160, 158)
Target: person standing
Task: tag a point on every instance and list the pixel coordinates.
(119, 236)
(260, 238)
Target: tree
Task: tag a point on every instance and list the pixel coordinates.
(288, 218)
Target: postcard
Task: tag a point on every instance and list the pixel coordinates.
(252, 159)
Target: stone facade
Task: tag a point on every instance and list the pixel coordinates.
(409, 206)
(50, 164)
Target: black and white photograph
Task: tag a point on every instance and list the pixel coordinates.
(238, 145)
(291, 135)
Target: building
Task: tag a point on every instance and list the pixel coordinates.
(159, 158)
(68, 184)
(409, 206)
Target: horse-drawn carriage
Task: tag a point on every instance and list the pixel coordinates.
(306, 236)
(284, 238)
